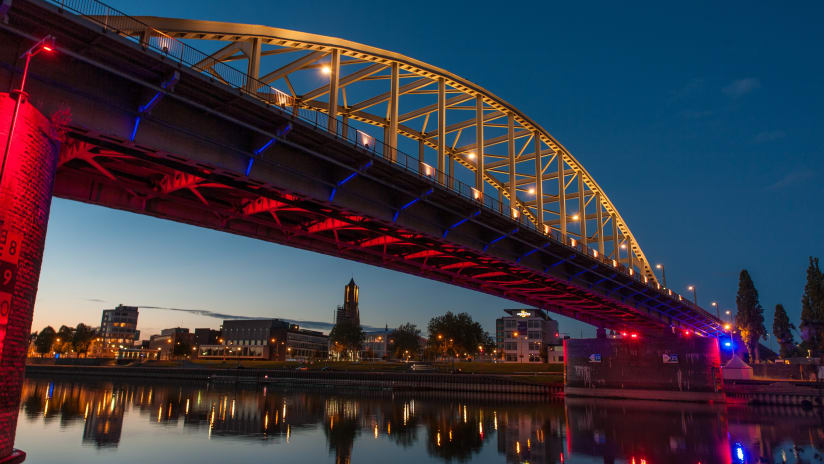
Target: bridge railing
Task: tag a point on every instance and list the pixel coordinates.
(149, 38)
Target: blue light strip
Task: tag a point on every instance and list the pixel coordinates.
(398, 212)
(249, 166)
(531, 252)
(134, 129)
(460, 222)
(499, 239)
(148, 106)
(264, 147)
(348, 178)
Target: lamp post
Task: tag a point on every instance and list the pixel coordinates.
(45, 44)
(694, 296)
(663, 273)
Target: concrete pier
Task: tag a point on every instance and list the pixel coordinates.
(653, 368)
(26, 185)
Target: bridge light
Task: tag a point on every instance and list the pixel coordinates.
(572, 242)
(471, 155)
(575, 217)
(476, 194)
(514, 213)
(686, 333)
(623, 246)
(546, 229)
(531, 191)
(326, 69)
(634, 335)
(595, 253)
(727, 327)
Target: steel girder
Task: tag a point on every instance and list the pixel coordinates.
(531, 167)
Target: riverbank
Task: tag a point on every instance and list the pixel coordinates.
(386, 381)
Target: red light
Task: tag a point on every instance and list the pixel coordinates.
(623, 334)
(634, 335)
(47, 48)
(687, 333)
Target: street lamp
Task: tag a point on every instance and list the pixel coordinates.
(694, 296)
(663, 273)
(45, 44)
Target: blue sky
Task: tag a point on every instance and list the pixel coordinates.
(701, 121)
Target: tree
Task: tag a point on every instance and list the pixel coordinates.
(82, 338)
(45, 340)
(455, 335)
(782, 329)
(347, 336)
(63, 342)
(405, 342)
(750, 315)
(812, 308)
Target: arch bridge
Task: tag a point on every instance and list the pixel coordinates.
(337, 147)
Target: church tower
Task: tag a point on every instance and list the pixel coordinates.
(349, 311)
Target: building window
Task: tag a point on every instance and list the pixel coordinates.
(534, 335)
(534, 324)
(509, 324)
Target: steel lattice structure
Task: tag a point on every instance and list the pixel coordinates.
(502, 151)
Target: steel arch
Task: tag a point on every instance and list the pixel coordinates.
(520, 185)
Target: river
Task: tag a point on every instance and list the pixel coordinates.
(126, 421)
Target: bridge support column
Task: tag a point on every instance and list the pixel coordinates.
(26, 185)
(647, 367)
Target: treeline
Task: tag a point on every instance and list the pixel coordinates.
(450, 335)
(65, 340)
(749, 318)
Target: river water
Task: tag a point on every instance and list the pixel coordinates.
(74, 421)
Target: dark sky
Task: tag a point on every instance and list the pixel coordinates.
(702, 121)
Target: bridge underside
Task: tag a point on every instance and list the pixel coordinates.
(102, 171)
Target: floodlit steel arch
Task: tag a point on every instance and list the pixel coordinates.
(502, 151)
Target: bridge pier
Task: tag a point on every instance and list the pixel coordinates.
(674, 368)
(26, 186)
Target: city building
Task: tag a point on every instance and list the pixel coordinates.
(376, 345)
(266, 339)
(206, 337)
(118, 327)
(165, 343)
(528, 335)
(349, 311)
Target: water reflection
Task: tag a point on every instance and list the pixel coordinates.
(209, 420)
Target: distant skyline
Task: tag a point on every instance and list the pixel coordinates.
(701, 122)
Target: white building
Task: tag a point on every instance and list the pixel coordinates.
(528, 335)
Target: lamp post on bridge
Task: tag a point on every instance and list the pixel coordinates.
(45, 44)
(663, 273)
(694, 296)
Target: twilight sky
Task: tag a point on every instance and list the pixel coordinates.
(702, 121)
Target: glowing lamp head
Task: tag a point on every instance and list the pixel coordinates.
(531, 190)
(471, 155)
(691, 288)
(47, 48)
(574, 217)
(658, 266)
(727, 326)
(326, 69)
(623, 246)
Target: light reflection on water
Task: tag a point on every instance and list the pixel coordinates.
(128, 421)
